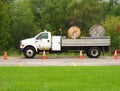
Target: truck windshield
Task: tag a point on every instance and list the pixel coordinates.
(43, 36)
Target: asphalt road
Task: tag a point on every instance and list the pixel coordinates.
(54, 61)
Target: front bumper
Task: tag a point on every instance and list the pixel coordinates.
(20, 50)
(20, 47)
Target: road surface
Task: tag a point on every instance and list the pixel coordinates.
(58, 61)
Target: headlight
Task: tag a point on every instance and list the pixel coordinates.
(21, 45)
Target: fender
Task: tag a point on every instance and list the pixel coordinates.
(31, 46)
(28, 42)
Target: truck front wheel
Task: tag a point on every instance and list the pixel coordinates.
(94, 52)
(29, 52)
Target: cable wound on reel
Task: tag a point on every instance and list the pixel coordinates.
(74, 32)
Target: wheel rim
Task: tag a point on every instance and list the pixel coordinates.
(29, 53)
(94, 52)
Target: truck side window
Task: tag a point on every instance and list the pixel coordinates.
(43, 36)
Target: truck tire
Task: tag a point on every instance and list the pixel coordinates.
(87, 54)
(94, 52)
(29, 52)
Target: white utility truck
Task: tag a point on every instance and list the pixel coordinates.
(92, 46)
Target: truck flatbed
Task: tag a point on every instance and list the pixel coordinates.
(87, 41)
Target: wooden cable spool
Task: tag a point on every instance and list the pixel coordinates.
(74, 32)
(97, 31)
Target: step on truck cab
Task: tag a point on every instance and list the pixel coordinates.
(92, 46)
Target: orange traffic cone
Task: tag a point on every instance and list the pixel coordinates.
(44, 55)
(5, 55)
(115, 55)
(80, 56)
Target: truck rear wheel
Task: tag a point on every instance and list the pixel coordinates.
(29, 52)
(94, 52)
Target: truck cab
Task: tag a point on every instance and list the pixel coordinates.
(31, 46)
(43, 40)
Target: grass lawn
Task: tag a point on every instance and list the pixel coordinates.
(85, 78)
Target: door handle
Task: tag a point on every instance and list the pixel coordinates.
(48, 41)
(36, 41)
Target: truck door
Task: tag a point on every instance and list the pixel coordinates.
(43, 41)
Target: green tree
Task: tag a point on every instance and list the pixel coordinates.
(37, 6)
(22, 21)
(116, 10)
(112, 26)
(53, 15)
(4, 27)
(111, 6)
